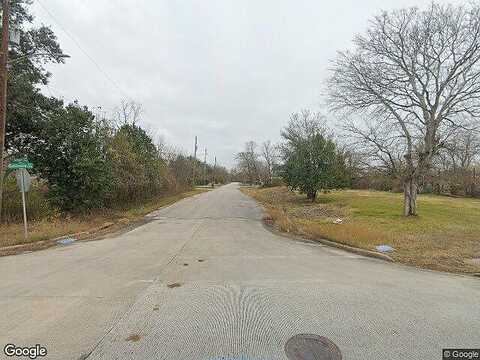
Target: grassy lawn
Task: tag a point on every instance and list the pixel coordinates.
(12, 234)
(445, 236)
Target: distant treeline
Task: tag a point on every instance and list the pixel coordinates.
(84, 162)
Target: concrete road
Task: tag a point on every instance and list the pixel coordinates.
(242, 293)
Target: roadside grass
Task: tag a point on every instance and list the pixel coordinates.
(445, 236)
(58, 225)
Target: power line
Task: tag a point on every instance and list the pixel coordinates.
(104, 73)
(54, 92)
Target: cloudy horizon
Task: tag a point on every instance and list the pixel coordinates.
(228, 72)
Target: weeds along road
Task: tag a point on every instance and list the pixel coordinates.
(204, 279)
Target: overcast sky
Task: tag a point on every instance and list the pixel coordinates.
(227, 71)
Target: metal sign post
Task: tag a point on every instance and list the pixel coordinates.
(23, 185)
(23, 181)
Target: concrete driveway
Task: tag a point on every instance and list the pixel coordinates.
(205, 280)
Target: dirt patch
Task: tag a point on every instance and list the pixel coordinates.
(318, 212)
(133, 338)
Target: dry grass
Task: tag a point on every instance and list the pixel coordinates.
(445, 236)
(12, 234)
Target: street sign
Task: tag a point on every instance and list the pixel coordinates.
(20, 164)
(23, 179)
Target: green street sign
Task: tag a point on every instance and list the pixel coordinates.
(20, 164)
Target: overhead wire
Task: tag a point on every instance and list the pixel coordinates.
(80, 47)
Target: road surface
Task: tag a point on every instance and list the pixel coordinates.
(242, 293)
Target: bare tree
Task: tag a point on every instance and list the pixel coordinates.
(128, 112)
(463, 149)
(270, 157)
(248, 162)
(455, 164)
(415, 72)
(376, 147)
(304, 124)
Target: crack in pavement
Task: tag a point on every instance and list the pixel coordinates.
(142, 293)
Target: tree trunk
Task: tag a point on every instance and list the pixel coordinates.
(312, 195)
(2, 180)
(410, 197)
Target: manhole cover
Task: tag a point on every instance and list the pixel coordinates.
(311, 347)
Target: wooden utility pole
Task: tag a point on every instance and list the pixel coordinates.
(3, 91)
(205, 167)
(214, 171)
(194, 160)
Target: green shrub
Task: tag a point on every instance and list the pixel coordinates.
(137, 171)
(70, 156)
(312, 161)
(37, 204)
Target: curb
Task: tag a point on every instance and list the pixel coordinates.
(84, 235)
(268, 222)
(355, 250)
(43, 244)
(269, 225)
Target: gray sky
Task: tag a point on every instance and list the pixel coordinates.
(227, 71)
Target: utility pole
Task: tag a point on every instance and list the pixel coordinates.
(205, 167)
(214, 171)
(3, 91)
(194, 160)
